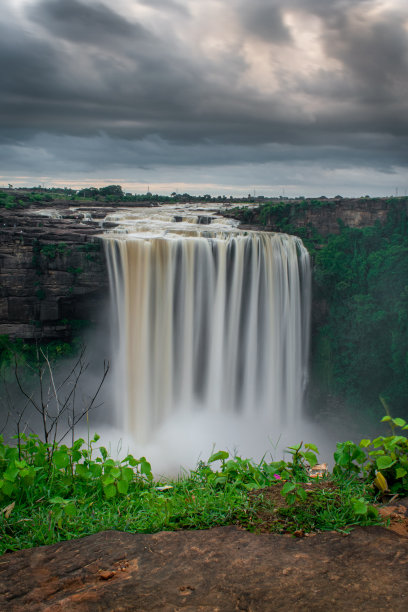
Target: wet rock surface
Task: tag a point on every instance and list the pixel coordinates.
(225, 569)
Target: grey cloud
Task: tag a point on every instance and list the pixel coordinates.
(81, 154)
(147, 99)
(376, 54)
(82, 22)
(264, 19)
(166, 5)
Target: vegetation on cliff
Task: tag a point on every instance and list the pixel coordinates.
(360, 284)
(361, 350)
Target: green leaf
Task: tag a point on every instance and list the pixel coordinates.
(312, 447)
(290, 499)
(57, 500)
(386, 419)
(364, 443)
(82, 471)
(218, 456)
(127, 473)
(11, 474)
(378, 441)
(399, 422)
(123, 486)
(287, 487)
(107, 480)
(310, 458)
(110, 491)
(95, 469)
(8, 488)
(76, 455)
(131, 460)
(359, 506)
(400, 472)
(115, 472)
(146, 468)
(301, 493)
(103, 452)
(77, 444)
(384, 462)
(70, 509)
(60, 459)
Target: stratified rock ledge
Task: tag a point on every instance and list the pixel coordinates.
(225, 569)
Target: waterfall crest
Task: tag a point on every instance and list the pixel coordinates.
(209, 322)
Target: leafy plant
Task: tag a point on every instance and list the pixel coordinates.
(388, 457)
(349, 459)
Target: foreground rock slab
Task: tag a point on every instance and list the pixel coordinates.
(225, 569)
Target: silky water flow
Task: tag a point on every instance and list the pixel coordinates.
(212, 337)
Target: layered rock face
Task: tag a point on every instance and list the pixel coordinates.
(327, 216)
(52, 272)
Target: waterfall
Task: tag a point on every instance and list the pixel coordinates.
(210, 322)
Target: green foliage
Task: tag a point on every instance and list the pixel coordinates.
(58, 470)
(382, 461)
(388, 455)
(52, 492)
(361, 351)
(75, 271)
(11, 200)
(349, 459)
(51, 251)
(29, 356)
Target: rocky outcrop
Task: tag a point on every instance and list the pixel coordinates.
(220, 569)
(52, 272)
(324, 216)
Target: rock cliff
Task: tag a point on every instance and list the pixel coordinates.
(323, 216)
(52, 272)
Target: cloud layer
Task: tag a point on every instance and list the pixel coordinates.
(186, 87)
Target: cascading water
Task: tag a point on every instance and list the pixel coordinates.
(208, 322)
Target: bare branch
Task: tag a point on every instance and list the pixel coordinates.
(106, 367)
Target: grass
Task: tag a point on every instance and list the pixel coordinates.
(51, 493)
(146, 511)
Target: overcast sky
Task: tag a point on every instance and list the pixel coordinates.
(285, 97)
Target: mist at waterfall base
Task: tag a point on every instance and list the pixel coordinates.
(211, 340)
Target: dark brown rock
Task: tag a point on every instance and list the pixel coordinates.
(223, 569)
(52, 271)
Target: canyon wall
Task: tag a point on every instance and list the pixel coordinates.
(52, 273)
(323, 216)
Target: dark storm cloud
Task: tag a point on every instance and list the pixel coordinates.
(82, 69)
(375, 55)
(264, 19)
(80, 22)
